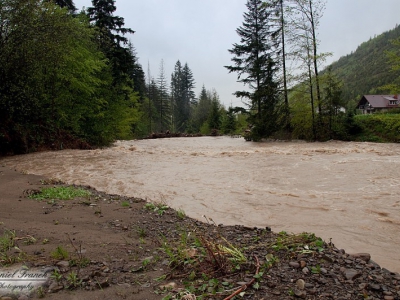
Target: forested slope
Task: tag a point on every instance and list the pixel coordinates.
(367, 69)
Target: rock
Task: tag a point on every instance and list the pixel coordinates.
(305, 271)
(351, 274)
(300, 294)
(303, 264)
(55, 287)
(300, 284)
(104, 283)
(168, 286)
(388, 298)
(362, 286)
(276, 293)
(375, 287)
(63, 264)
(294, 264)
(363, 256)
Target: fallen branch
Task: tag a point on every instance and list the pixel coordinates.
(245, 286)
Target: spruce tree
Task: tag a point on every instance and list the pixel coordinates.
(111, 37)
(253, 61)
(182, 85)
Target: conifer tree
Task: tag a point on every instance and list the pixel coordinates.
(111, 37)
(182, 85)
(253, 61)
(163, 104)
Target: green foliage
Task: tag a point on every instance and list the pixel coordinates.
(7, 241)
(367, 69)
(256, 68)
(159, 208)
(61, 193)
(55, 84)
(59, 253)
(378, 127)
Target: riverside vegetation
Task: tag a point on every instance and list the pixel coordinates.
(150, 251)
(73, 80)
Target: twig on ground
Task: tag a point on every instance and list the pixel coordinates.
(245, 286)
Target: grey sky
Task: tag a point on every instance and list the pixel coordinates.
(200, 32)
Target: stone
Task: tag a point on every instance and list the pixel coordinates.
(104, 283)
(305, 271)
(303, 264)
(363, 256)
(300, 294)
(351, 274)
(55, 287)
(168, 286)
(300, 284)
(63, 264)
(375, 287)
(294, 264)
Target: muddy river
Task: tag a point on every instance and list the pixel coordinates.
(349, 192)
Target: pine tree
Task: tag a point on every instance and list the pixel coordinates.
(163, 104)
(253, 59)
(182, 85)
(66, 3)
(111, 37)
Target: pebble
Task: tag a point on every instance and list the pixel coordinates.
(351, 274)
(305, 271)
(300, 284)
(168, 286)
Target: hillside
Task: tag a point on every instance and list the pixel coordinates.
(367, 68)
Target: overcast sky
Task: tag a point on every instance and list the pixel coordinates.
(200, 32)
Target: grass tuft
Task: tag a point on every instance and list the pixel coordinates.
(61, 193)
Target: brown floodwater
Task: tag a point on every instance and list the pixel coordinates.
(346, 191)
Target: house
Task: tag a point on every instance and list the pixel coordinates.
(378, 103)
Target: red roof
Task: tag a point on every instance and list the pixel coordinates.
(379, 101)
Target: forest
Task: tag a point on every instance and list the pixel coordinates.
(72, 79)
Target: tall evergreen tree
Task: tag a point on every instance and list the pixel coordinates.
(201, 110)
(66, 3)
(111, 37)
(254, 61)
(163, 103)
(182, 85)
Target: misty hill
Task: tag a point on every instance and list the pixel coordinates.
(366, 69)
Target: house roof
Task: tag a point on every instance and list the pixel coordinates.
(378, 101)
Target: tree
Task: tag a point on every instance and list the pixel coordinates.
(163, 104)
(111, 37)
(229, 122)
(201, 110)
(310, 12)
(182, 95)
(253, 60)
(394, 62)
(54, 80)
(332, 100)
(214, 117)
(69, 4)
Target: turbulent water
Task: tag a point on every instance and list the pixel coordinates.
(345, 191)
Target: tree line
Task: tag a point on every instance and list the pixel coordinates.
(72, 79)
(278, 59)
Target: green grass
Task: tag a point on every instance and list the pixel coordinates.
(60, 253)
(61, 193)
